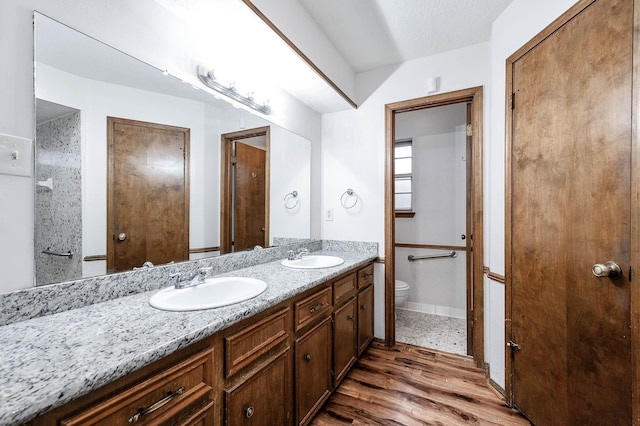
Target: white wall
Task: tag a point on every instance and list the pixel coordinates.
(353, 144)
(142, 29)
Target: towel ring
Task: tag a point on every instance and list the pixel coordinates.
(293, 195)
(345, 198)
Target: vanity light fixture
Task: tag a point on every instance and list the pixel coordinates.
(208, 78)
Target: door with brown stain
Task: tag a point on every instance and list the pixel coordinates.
(249, 218)
(147, 194)
(570, 201)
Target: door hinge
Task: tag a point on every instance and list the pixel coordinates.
(333, 375)
(333, 324)
(629, 273)
(513, 100)
(513, 345)
(233, 160)
(469, 129)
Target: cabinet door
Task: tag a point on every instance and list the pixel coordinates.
(345, 339)
(365, 318)
(313, 370)
(263, 398)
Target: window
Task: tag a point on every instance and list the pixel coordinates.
(403, 177)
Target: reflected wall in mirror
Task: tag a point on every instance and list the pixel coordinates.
(79, 83)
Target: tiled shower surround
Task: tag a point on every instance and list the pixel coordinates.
(58, 211)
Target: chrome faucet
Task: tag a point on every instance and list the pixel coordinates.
(291, 255)
(198, 277)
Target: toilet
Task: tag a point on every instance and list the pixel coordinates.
(402, 293)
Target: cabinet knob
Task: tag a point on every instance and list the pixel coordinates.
(307, 357)
(248, 412)
(363, 306)
(350, 318)
(316, 308)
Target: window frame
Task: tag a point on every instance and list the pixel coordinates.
(404, 212)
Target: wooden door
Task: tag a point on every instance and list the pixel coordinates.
(249, 219)
(147, 194)
(570, 158)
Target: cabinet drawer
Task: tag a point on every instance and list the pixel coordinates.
(169, 395)
(344, 288)
(365, 276)
(248, 344)
(315, 306)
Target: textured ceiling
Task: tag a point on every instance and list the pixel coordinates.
(374, 33)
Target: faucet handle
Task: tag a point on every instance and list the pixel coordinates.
(204, 271)
(176, 277)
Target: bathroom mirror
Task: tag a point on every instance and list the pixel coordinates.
(80, 84)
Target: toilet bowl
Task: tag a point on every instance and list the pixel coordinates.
(402, 293)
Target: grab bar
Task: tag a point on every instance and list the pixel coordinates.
(55, 253)
(412, 258)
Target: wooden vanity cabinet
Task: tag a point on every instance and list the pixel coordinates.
(258, 374)
(312, 370)
(365, 307)
(275, 368)
(365, 318)
(178, 390)
(345, 339)
(263, 397)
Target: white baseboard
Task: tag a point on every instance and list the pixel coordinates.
(445, 311)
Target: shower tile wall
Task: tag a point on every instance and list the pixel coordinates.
(58, 216)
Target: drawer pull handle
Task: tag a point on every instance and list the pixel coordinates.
(316, 308)
(249, 412)
(156, 405)
(367, 276)
(307, 357)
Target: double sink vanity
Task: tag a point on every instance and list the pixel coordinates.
(249, 338)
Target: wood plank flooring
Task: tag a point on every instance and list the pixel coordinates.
(409, 385)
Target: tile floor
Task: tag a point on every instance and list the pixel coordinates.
(431, 331)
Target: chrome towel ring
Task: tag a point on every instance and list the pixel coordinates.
(347, 196)
(293, 195)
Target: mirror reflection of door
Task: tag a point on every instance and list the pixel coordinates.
(147, 194)
(244, 193)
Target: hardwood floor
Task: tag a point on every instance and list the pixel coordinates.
(409, 385)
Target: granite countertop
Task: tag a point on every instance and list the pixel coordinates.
(48, 361)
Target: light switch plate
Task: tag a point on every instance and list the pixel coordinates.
(15, 155)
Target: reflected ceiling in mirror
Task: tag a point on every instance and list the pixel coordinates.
(79, 83)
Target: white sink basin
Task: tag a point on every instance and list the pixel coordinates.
(313, 262)
(213, 293)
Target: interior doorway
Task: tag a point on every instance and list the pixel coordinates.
(431, 227)
(244, 192)
(472, 244)
(147, 194)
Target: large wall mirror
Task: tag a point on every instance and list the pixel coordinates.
(128, 163)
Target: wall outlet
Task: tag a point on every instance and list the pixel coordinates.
(328, 214)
